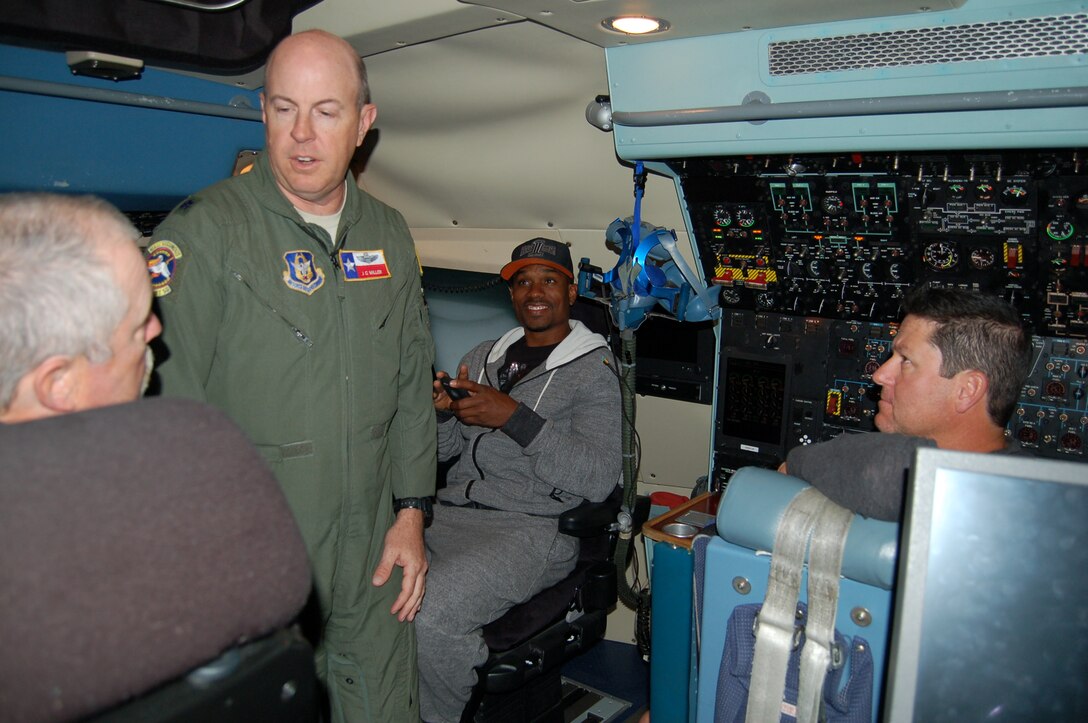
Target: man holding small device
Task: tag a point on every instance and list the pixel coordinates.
(535, 419)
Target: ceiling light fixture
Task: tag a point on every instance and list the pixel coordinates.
(635, 24)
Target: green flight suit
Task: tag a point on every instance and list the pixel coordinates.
(327, 366)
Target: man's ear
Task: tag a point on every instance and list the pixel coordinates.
(572, 293)
(367, 115)
(973, 388)
(56, 384)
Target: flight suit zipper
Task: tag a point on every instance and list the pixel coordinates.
(299, 334)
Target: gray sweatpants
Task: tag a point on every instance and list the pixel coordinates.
(482, 563)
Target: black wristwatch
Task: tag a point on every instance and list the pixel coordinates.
(423, 504)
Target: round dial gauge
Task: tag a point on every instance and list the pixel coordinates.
(1014, 193)
(940, 255)
(1060, 229)
(722, 217)
(730, 296)
(984, 191)
(982, 258)
(745, 217)
(832, 205)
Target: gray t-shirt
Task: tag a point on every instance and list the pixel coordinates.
(866, 473)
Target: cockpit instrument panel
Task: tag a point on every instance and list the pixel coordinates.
(813, 255)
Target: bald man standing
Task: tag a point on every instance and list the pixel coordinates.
(292, 300)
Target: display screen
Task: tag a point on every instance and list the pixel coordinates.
(752, 405)
(667, 340)
(992, 613)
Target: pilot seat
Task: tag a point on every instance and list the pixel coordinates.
(150, 571)
(733, 574)
(520, 682)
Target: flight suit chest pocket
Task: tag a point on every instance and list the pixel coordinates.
(261, 305)
(375, 316)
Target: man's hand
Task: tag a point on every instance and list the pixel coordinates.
(485, 406)
(438, 393)
(404, 547)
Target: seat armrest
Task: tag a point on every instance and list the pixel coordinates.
(591, 518)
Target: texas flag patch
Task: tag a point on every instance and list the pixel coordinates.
(364, 265)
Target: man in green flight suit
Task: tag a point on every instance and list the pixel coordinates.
(291, 299)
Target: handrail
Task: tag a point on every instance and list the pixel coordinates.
(203, 7)
(756, 111)
(120, 97)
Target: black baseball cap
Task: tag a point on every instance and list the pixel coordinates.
(539, 251)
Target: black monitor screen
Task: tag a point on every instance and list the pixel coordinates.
(668, 340)
(753, 399)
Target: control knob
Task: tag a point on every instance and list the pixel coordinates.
(1028, 435)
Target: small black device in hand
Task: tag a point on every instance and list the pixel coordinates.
(453, 392)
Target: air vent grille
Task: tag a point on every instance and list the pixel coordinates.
(1022, 38)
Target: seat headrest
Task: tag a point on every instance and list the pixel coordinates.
(754, 501)
(136, 542)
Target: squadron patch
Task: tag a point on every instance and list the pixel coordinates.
(364, 265)
(302, 273)
(162, 260)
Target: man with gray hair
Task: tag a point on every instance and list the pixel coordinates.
(952, 381)
(75, 307)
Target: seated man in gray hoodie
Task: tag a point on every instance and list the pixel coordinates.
(537, 433)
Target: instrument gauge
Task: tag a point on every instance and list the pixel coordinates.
(722, 217)
(832, 205)
(730, 296)
(1060, 229)
(984, 191)
(940, 255)
(746, 218)
(1014, 193)
(982, 258)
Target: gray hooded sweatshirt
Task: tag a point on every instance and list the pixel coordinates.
(562, 444)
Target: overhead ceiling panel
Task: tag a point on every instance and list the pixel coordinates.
(695, 18)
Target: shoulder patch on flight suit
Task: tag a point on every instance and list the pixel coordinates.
(364, 265)
(162, 260)
(302, 273)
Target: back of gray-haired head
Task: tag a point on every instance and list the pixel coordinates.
(58, 293)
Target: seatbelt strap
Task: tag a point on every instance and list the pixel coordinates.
(777, 620)
(824, 568)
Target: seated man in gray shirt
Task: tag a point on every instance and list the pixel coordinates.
(952, 381)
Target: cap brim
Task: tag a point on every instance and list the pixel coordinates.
(513, 267)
